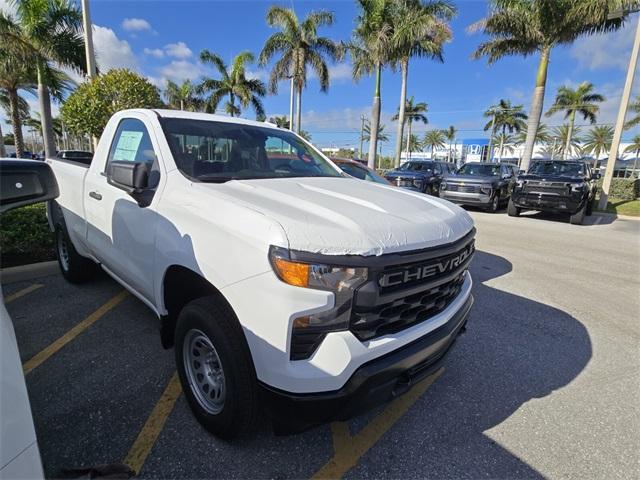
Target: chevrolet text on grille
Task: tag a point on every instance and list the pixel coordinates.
(420, 272)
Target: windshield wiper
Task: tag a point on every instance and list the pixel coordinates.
(216, 178)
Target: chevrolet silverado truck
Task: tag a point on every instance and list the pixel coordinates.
(557, 186)
(284, 284)
(485, 185)
(420, 175)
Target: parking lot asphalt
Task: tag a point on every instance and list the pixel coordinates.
(544, 383)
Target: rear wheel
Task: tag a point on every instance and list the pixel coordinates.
(74, 267)
(215, 368)
(578, 217)
(512, 210)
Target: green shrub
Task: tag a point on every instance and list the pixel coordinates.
(623, 188)
(25, 236)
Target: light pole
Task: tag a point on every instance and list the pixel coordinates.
(362, 119)
(291, 105)
(88, 39)
(622, 111)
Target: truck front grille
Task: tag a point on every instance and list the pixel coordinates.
(463, 188)
(550, 188)
(410, 293)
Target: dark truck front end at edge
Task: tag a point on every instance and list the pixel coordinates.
(556, 186)
(420, 175)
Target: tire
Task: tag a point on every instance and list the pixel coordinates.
(590, 206)
(74, 267)
(512, 210)
(578, 217)
(495, 204)
(225, 401)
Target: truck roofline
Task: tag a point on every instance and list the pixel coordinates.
(167, 113)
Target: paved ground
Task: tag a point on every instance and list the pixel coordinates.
(545, 383)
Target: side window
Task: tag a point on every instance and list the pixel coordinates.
(131, 143)
(437, 169)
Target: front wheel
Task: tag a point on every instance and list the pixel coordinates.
(512, 210)
(495, 204)
(215, 368)
(74, 267)
(578, 217)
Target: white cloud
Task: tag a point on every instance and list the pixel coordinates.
(340, 71)
(605, 51)
(180, 70)
(178, 50)
(7, 7)
(135, 25)
(111, 52)
(154, 52)
(257, 74)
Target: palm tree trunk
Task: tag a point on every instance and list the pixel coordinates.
(536, 108)
(501, 147)
(299, 111)
(410, 122)
(404, 66)
(567, 146)
(232, 101)
(491, 135)
(635, 161)
(3, 151)
(16, 123)
(45, 112)
(292, 94)
(375, 120)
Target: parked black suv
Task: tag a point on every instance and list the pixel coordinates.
(485, 185)
(420, 175)
(559, 186)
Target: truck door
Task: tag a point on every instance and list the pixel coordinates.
(120, 232)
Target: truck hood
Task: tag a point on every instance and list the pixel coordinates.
(552, 178)
(341, 216)
(407, 174)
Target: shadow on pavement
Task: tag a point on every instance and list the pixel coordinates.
(514, 350)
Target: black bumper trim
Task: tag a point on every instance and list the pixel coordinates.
(374, 383)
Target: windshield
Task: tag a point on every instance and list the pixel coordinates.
(479, 169)
(362, 173)
(417, 166)
(567, 169)
(211, 151)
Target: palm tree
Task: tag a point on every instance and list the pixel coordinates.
(413, 144)
(450, 134)
(366, 133)
(542, 135)
(528, 27)
(598, 140)
(634, 146)
(47, 32)
(233, 83)
(420, 30)
(183, 96)
(560, 136)
(581, 100)
(300, 48)
(434, 139)
(504, 117)
(412, 113)
(282, 122)
(507, 143)
(635, 108)
(5, 104)
(14, 76)
(371, 50)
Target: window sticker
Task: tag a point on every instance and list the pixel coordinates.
(128, 145)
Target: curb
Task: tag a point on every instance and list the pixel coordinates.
(616, 215)
(28, 272)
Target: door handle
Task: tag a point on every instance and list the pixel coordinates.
(95, 195)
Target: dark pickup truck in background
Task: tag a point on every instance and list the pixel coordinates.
(558, 186)
(484, 185)
(420, 175)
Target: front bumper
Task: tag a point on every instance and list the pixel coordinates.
(547, 203)
(464, 198)
(374, 383)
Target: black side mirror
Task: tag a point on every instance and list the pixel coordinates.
(521, 172)
(597, 175)
(132, 177)
(23, 182)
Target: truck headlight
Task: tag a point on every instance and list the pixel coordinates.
(443, 186)
(519, 183)
(576, 187)
(486, 189)
(309, 330)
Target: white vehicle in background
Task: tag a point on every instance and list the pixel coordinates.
(284, 283)
(22, 182)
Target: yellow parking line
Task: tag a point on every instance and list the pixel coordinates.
(22, 293)
(44, 355)
(147, 437)
(348, 449)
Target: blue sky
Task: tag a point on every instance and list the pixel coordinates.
(162, 39)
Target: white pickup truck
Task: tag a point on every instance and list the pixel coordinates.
(283, 283)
